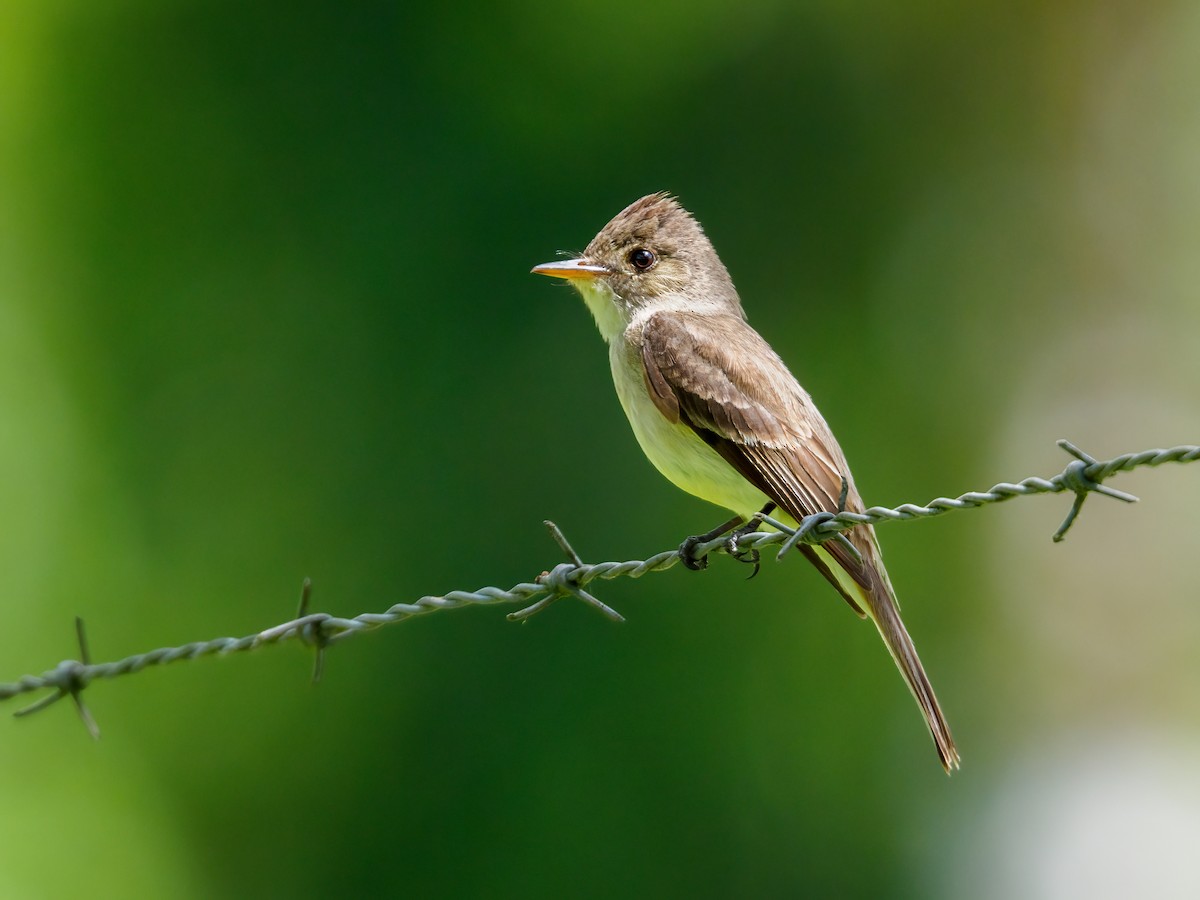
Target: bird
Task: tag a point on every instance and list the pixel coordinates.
(720, 415)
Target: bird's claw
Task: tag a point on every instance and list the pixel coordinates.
(736, 529)
(749, 556)
(687, 553)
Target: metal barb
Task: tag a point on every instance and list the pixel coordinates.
(305, 596)
(78, 682)
(313, 633)
(807, 532)
(795, 536)
(321, 640)
(563, 543)
(48, 700)
(1075, 477)
(81, 637)
(563, 581)
(69, 678)
(599, 604)
(1075, 451)
(85, 716)
(533, 609)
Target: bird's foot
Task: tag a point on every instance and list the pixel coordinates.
(750, 555)
(687, 550)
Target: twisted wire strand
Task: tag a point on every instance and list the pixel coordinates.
(1082, 476)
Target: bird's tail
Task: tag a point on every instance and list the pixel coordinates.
(881, 607)
(869, 591)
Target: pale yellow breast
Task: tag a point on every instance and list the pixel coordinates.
(673, 448)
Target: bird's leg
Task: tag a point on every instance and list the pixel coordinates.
(751, 556)
(688, 548)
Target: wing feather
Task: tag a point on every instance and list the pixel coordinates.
(766, 426)
(759, 420)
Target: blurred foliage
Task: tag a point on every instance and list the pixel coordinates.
(265, 313)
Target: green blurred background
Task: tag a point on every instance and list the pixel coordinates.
(265, 312)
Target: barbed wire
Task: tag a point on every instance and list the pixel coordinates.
(1082, 476)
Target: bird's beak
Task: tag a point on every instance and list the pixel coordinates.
(570, 268)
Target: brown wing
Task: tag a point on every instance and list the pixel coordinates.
(765, 425)
(758, 419)
(696, 370)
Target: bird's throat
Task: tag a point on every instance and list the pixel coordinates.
(604, 307)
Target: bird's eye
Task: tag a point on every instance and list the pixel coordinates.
(641, 258)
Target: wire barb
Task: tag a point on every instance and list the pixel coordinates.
(563, 581)
(1082, 476)
(1076, 476)
(314, 632)
(807, 531)
(563, 543)
(70, 677)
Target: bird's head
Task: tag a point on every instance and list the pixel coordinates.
(652, 256)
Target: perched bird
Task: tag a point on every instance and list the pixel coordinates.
(718, 413)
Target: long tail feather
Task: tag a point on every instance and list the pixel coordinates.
(869, 583)
(882, 610)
